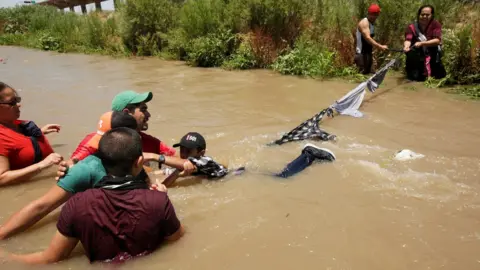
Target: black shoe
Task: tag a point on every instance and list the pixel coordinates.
(319, 153)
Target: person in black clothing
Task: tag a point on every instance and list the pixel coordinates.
(365, 42)
(193, 147)
(423, 47)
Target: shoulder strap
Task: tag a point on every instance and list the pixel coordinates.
(417, 29)
(36, 148)
(32, 131)
(418, 34)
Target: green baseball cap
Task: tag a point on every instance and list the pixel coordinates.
(121, 100)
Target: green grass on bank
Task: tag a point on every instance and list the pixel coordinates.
(313, 38)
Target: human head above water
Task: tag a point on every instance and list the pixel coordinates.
(111, 120)
(9, 103)
(425, 14)
(373, 12)
(192, 145)
(120, 150)
(135, 104)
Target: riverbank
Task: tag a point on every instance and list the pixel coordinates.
(417, 214)
(311, 38)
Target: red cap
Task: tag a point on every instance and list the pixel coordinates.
(374, 8)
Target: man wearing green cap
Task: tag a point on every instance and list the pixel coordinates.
(88, 171)
(136, 104)
(125, 98)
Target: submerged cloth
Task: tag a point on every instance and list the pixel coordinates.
(347, 105)
(350, 103)
(308, 130)
(209, 167)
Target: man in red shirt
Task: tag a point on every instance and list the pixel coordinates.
(118, 219)
(136, 105)
(57, 195)
(107, 121)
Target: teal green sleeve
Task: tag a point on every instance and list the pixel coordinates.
(77, 179)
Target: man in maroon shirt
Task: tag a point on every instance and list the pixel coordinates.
(118, 219)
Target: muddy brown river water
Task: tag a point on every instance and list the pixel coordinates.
(365, 211)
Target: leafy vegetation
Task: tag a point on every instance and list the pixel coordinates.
(299, 37)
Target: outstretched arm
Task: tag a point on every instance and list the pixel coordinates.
(8, 176)
(428, 43)
(60, 248)
(183, 165)
(365, 31)
(34, 211)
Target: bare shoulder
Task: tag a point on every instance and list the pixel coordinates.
(363, 23)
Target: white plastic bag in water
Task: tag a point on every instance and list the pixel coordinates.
(407, 154)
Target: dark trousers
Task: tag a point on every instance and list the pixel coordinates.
(299, 164)
(304, 160)
(415, 65)
(364, 62)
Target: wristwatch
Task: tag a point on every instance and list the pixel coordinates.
(161, 159)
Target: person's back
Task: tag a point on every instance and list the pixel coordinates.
(120, 217)
(117, 224)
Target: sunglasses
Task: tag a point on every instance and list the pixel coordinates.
(14, 102)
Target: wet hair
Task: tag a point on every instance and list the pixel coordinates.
(4, 86)
(123, 119)
(426, 6)
(131, 107)
(119, 149)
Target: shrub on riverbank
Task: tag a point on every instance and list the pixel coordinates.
(145, 22)
(307, 59)
(47, 29)
(299, 37)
